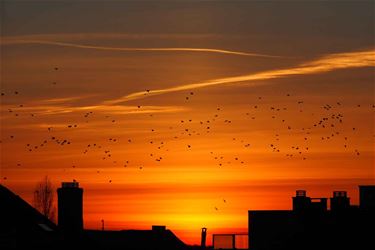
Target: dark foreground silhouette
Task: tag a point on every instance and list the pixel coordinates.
(311, 226)
(23, 227)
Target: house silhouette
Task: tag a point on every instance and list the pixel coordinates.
(310, 225)
(23, 227)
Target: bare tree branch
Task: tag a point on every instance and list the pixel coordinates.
(44, 198)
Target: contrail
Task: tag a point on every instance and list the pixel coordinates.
(323, 64)
(43, 109)
(173, 49)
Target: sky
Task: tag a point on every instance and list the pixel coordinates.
(187, 113)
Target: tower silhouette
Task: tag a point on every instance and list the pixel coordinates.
(70, 211)
(367, 197)
(340, 202)
(203, 238)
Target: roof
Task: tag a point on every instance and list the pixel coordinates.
(21, 224)
(23, 227)
(134, 239)
(15, 212)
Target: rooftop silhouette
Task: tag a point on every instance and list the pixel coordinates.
(311, 225)
(23, 227)
(70, 207)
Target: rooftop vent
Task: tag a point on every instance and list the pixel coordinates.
(301, 193)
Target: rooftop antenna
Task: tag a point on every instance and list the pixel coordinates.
(102, 225)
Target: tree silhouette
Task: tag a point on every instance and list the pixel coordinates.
(44, 198)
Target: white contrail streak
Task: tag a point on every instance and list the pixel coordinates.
(172, 49)
(321, 65)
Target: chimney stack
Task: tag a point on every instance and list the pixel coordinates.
(340, 201)
(203, 238)
(301, 202)
(70, 207)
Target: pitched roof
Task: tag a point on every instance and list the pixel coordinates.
(15, 212)
(22, 226)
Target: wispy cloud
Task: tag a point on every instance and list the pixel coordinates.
(66, 99)
(129, 49)
(324, 64)
(93, 36)
(42, 109)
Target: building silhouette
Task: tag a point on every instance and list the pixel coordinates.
(340, 202)
(367, 198)
(203, 237)
(303, 203)
(70, 207)
(310, 225)
(23, 227)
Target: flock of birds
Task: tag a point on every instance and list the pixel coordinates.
(328, 121)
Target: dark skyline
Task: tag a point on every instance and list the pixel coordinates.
(163, 110)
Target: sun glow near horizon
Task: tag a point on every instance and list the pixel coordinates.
(165, 118)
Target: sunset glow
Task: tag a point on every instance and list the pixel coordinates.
(191, 120)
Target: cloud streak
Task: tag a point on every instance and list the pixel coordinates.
(129, 49)
(42, 109)
(324, 64)
(66, 99)
(69, 37)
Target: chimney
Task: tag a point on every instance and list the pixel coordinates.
(70, 207)
(203, 238)
(340, 201)
(301, 202)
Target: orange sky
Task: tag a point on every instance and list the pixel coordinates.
(165, 125)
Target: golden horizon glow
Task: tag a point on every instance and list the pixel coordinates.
(187, 117)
